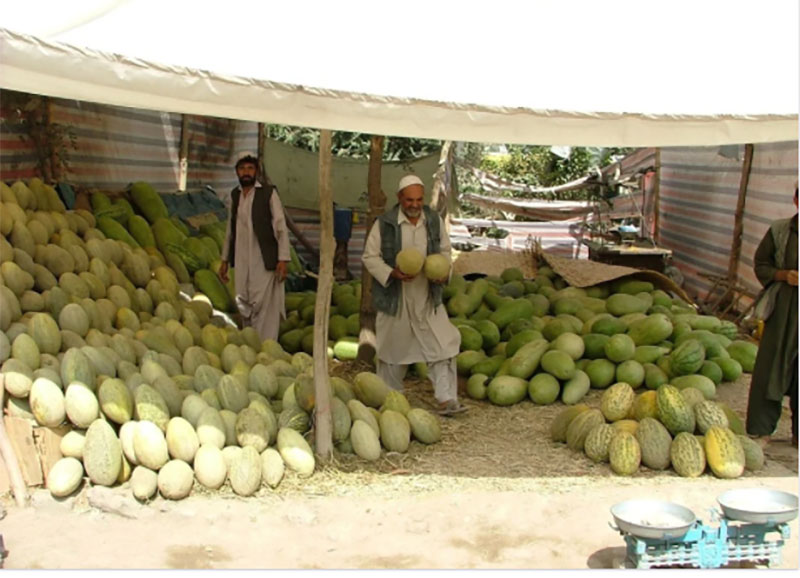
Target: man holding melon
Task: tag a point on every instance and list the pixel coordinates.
(408, 253)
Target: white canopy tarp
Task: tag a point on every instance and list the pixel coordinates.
(559, 72)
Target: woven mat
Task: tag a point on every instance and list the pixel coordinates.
(493, 261)
(585, 273)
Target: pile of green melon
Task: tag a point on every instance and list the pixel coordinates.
(156, 389)
(659, 429)
(546, 341)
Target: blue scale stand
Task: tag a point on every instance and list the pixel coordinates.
(705, 546)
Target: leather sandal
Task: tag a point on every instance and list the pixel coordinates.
(452, 407)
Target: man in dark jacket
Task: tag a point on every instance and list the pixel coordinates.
(257, 247)
(775, 372)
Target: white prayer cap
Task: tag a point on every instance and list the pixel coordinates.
(409, 180)
(248, 156)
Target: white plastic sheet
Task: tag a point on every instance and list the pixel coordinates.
(554, 72)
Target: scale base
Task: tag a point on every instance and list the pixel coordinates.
(706, 547)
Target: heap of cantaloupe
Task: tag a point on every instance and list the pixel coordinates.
(159, 390)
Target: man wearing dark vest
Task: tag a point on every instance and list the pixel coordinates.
(412, 324)
(257, 247)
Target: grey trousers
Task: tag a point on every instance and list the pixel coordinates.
(442, 374)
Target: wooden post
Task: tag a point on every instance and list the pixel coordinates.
(261, 152)
(53, 157)
(183, 155)
(738, 224)
(657, 199)
(377, 204)
(10, 458)
(323, 426)
(439, 194)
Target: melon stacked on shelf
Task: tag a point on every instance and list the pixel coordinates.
(102, 331)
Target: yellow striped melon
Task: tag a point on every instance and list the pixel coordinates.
(724, 452)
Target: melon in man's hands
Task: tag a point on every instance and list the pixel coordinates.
(410, 261)
(437, 267)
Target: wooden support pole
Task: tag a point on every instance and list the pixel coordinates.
(377, 204)
(53, 158)
(183, 155)
(323, 425)
(657, 199)
(738, 223)
(439, 193)
(10, 458)
(261, 152)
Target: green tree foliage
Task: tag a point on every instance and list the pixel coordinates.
(538, 167)
(354, 144)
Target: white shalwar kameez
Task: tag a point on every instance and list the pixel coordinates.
(259, 295)
(419, 332)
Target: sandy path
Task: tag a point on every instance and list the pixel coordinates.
(557, 523)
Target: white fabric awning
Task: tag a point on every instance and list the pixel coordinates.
(614, 73)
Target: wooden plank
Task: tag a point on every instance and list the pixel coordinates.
(48, 446)
(377, 204)
(12, 475)
(20, 434)
(738, 218)
(323, 424)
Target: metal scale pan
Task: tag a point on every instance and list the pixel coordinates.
(654, 519)
(758, 505)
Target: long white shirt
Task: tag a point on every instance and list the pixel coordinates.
(260, 297)
(419, 332)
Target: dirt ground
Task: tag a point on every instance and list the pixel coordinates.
(495, 493)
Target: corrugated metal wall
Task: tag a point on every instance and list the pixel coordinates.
(699, 189)
(117, 146)
(769, 197)
(214, 146)
(698, 193)
(17, 154)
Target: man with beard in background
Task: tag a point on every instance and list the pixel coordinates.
(257, 247)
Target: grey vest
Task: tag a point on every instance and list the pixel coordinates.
(387, 299)
(262, 225)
